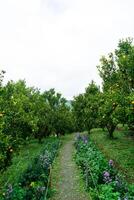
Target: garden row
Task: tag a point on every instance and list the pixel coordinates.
(34, 182)
(121, 149)
(102, 179)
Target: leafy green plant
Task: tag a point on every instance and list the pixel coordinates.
(34, 181)
(108, 193)
(101, 177)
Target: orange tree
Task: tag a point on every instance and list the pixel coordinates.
(85, 108)
(17, 105)
(60, 114)
(6, 141)
(92, 94)
(29, 113)
(130, 111)
(110, 111)
(25, 113)
(117, 73)
(124, 56)
(78, 105)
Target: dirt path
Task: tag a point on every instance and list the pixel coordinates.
(66, 175)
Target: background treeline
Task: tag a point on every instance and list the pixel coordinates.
(26, 113)
(114, 103)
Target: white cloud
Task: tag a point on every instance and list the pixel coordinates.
(58, 43)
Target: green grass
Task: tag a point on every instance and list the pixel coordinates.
(21, 161)
(120, 149)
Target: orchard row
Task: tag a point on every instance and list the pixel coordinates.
(114, 103)
(27, 113)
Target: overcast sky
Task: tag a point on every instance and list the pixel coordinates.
(58, 43)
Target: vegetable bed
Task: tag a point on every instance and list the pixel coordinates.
(34, 182)
(102, 179)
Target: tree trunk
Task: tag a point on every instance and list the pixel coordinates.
(111, 128)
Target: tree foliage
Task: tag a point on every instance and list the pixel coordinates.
(115, 103)
(27, 113)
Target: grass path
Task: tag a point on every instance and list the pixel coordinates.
(65, 175)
